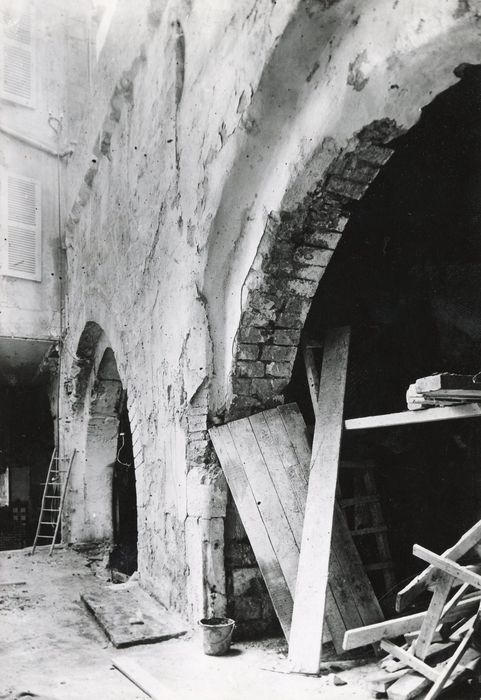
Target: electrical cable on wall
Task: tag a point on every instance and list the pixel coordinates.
(119, 461)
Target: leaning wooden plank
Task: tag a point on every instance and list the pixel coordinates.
(411, 660)
(450, 567)
(380, 682)
(312, 378)
(267, 499)
(144, 680)
(370, 634)
(470, 410)
(420, 582)
(354, 582)
(254, 525)
(444, 675)
(433, 615)
(409, 686)
(305, 643)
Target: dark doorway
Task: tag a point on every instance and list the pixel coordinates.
(124, 555)
(407, 278)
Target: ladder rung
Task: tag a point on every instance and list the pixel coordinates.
(378, 566)
(369, 530)
(44, 537)
(46, 522)
(50, 510)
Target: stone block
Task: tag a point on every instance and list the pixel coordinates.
(251, 334)
(285, 336)
(250, 369)
(279, 369)
(377, 155)
(247, 351)
(242, 406)
(308, 272)
(266, 387)
(197, 422)
(294, 313)
(323, 239)
(279, 353)
(242, 386)
(346, 188)
(306, 288)
(308, 255)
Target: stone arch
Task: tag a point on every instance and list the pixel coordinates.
(292, 257)
(323, 83)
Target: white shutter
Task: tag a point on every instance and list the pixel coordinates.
(21, 227)
(17, 53)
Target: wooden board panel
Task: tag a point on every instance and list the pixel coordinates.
(115, 610)
(305, 643)
(266, 461)
(254, 525)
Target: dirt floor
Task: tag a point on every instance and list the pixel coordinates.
(51, 647)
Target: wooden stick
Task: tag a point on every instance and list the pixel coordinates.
(312, 377)
(433, 615)
(449, 567)
(144, 680)
(419, 584)
(412, 661)
(450, 666)
(362, 636)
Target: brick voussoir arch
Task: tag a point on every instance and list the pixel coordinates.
(295, 249)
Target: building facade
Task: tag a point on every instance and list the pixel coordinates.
(209, 157)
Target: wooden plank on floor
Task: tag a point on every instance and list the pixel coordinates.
(408, 658)
(305, 643)
(254, 525)
(422, 580)
(144, 680)
(408, 687)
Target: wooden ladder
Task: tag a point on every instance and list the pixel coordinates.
(368, 519)
(54, 491)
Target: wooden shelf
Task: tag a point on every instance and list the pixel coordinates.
(428, 415)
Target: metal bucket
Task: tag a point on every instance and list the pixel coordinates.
(216, 635)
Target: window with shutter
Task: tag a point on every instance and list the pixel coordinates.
(17, 82)
(21, 227)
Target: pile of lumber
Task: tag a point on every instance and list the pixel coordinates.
(437, 648)
(443, 390)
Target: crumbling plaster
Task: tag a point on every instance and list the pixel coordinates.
(169, 195)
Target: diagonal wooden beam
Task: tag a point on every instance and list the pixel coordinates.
(449, 567)
(305, 642)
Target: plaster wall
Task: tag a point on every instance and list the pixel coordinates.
(207, 118)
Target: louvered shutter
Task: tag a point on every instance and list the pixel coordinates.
(17, 53)
(21, 227)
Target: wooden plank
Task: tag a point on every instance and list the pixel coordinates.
(445, 380)
(254, 525)
(354, 581)
(433, 616)
(408, 658)
(144, 680)
(269, 504)
(296, 431)
(305, 643)
(370, 634)
(444, 675)
(420, 582)
(312, 378)
(409, 686)
(429, 415)
(450, 567)
(381, 537)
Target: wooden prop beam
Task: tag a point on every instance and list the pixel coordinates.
(305, 642)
